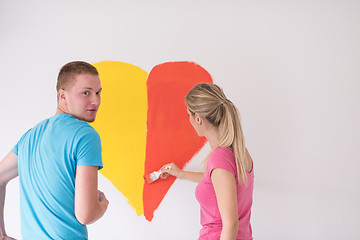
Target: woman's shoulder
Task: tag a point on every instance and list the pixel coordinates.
(222, 156)
(222, 151)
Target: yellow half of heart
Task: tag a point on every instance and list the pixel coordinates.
(121, 123)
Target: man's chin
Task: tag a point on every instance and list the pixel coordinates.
(89, 120)
(86, 119)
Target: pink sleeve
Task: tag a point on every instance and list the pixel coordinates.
(222, 158)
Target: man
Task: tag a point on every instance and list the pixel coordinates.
(57, 162)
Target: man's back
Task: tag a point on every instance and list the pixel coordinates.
(48, 155)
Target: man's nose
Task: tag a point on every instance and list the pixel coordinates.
(95, 100)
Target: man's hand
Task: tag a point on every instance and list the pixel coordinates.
(102, 198)
(7, 238)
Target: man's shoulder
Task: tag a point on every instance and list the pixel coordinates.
(66, 120)
(64, 125)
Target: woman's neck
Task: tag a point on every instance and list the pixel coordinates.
(212, 135)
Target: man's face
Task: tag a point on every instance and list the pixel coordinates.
(83, 97)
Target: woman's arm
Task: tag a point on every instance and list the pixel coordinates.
(173, 169)
(225, 189)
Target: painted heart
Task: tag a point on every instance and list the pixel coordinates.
(143, 125)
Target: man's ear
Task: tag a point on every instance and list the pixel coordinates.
(198, 119)
(61, 95)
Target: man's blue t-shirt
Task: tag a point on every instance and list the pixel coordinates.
(48, 155)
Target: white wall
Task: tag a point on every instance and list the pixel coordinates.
(291, 67)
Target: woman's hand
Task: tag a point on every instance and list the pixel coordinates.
(170, 169)
(174, 170)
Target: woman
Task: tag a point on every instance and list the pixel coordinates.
(225, 188)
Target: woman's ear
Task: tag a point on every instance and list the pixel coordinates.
(198, 119)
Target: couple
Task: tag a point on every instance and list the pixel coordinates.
(57, 162)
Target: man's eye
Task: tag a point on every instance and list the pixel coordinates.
(98, 93)
(86, 93)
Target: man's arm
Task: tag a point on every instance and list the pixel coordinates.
(8, 171)
(90, 204)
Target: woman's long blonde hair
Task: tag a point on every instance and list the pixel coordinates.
(210, 102)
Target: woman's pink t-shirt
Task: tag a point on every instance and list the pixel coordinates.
(210, 218)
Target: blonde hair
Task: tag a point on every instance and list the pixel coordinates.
(210, 102)
(70, 70)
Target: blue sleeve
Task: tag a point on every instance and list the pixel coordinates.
(15, 149)
(88, 148)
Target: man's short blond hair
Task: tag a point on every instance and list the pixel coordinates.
(70, 70)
